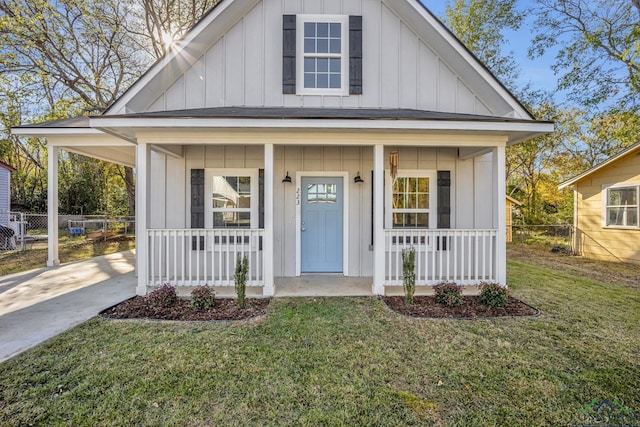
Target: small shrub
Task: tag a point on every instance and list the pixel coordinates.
(449, 294)
(493, 295)
(164, 296)
(202, 298)
(408, 274)
(240, 279)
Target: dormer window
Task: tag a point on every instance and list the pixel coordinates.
(322, 55)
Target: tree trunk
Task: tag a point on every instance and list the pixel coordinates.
(131, 189)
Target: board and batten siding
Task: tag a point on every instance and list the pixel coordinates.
(592, 239)
(170, 189)
(243, 67)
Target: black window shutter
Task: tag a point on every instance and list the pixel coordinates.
(355, 55)
(444, 199)
(260, 198)
(289, 54)
(197, 205)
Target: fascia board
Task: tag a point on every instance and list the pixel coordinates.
(629, 150)
(436, 125)
(37, 132)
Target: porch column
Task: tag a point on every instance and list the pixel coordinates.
(267, 243)
(378, 220)
(499, 175)
(143, 159)
(52, 207)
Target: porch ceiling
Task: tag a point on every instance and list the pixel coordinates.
(125, 156)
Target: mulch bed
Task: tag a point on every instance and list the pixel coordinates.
(224, 309)
(471, 308)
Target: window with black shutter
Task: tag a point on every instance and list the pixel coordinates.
(444, 199)
(322, 55)
(197, 206)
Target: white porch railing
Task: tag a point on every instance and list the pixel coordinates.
(466, 257)
(195, 257)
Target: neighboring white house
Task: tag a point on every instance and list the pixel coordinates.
(7, 228)
(313, 137)
(5, 191)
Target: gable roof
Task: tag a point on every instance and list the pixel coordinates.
(316, 113)
(7, 167)
(514, 201)
(212, 24)
(635, 148)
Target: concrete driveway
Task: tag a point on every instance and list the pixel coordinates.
(39, 304)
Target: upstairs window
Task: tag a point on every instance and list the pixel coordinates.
(323, 57)
(621, 206)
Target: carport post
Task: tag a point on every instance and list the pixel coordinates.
(143, 160)
(52, 207)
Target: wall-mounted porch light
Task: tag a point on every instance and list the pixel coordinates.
(358, 179)
(287, 178)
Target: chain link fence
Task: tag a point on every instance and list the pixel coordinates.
(558, 236)
(23, 231)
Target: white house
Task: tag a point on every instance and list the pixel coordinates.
(7, 226)
(5, 191)
(313, 137)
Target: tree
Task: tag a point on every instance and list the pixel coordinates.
(588, 139)
(73, 57)
(27, 155)
(480, 25)
(599, 54)
(73, 53)
(77, 49)
(156, 24)
(528, 165)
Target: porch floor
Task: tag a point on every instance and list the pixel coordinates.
(328, 285)
(323, 285)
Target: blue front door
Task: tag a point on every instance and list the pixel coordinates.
(321, 225)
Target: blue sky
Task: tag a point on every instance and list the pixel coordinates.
(538, 72)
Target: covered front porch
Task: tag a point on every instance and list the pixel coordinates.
(449, 208)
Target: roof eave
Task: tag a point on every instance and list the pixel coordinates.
(37, 132)
(629, 150)
(528, 128)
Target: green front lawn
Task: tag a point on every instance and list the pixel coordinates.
(342, 361)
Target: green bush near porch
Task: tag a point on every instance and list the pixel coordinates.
(342, 361)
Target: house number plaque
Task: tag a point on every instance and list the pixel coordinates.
(298, 196)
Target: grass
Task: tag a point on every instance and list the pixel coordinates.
(342, 361)
(70, 249)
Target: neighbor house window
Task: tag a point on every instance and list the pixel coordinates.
(411, 199)
(233, 202)
(621, 206)
(323, 54)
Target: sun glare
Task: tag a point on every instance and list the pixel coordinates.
(167, 39)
